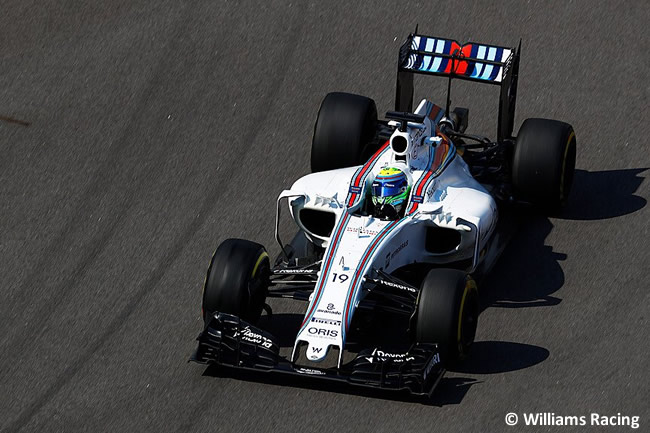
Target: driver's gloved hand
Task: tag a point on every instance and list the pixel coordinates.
(386, 211)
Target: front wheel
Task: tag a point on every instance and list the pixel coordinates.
(447, 313)
(237, 280)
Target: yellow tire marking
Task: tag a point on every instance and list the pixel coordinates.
(259, 261)
(566, 151)
(470, 284)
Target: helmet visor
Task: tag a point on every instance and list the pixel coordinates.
(386, 189)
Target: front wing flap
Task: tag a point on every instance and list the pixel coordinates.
(232, 342)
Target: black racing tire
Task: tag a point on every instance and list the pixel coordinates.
(344, 131)
(447, 313)
(237, 280)
(544, 163)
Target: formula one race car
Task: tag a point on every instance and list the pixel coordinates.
(397, 222)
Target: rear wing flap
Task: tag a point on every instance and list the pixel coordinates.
(472, 61)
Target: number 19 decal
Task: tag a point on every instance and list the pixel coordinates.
(342, 278)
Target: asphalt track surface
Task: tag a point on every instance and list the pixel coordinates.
(159, 128)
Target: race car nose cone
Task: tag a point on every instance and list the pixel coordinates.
(316, 352)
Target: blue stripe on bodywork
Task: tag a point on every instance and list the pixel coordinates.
(347, 318)
(343, 222)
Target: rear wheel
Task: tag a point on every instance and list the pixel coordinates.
(544, 163)
(237, 280)
(344, 131)
(447, 313)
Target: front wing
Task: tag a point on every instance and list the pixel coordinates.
(230, 341)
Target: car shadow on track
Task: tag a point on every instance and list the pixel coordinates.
(529, 271)
(493, 357)
(598, 195)
(487, 357)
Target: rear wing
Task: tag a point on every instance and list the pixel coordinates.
(472, 61)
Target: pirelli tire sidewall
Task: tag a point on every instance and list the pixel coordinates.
(237, 280)
(544, 163)
(447, 313)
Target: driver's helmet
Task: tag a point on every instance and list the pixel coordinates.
(390, 191)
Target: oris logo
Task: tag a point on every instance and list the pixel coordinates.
(323, 332)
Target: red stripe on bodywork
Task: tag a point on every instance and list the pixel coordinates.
(336, 238)
(364, 259)
(441, 152)
(439, 156)
(357, 180)
(434, 112)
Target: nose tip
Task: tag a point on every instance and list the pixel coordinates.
(316, 353)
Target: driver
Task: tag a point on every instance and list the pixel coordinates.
(390, 191)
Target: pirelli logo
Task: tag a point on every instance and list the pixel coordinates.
(326, 321)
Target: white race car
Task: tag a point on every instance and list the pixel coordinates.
(396, 223)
